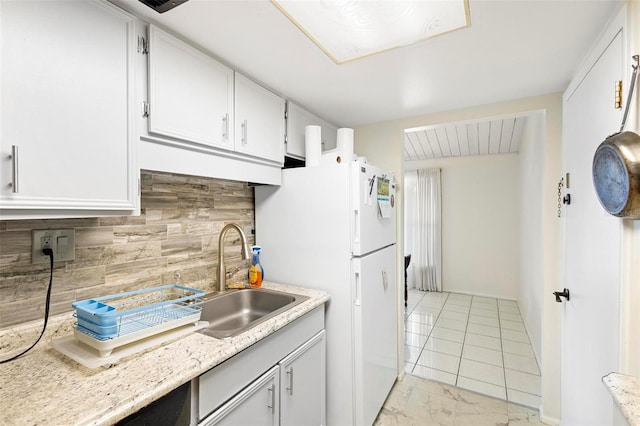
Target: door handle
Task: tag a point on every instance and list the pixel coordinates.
(244, 132)
(564, 293)
(225, 126)
(14, 169)
(272, 391)
(290, 374)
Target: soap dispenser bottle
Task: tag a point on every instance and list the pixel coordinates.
(255, 270)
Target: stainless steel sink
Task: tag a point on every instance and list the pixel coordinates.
(236, 311)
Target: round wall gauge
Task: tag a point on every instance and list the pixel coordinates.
(616, 174)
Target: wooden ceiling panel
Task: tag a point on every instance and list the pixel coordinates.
(467, 138)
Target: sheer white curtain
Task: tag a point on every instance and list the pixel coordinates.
(423, 228)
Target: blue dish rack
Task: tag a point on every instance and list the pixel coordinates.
(118, 315)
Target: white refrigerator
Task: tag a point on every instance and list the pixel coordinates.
(334, 228)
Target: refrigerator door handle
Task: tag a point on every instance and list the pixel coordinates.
(385, 279)
(356, 226)
(358, 289)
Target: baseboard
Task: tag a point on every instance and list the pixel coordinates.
(479, 294)
(548, 420)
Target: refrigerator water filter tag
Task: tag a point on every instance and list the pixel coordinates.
(384, 198)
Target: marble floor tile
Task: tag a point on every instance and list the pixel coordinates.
(439, 361)
(512, 325)
(523, 398)
(485, 330)
(458, 316)
(479, 343)
(488, 356)
(521, 363)
(523, 382)
(517, 336)
(482, 372)
(482, 387)
(512, 347)
(433, 374)
(455, 308)
(483, 341)
(510, 317)
(509, 309)
(483, 312)
(448, 334)
(413, 339)
(417, 401)
(418, 328)
(423, 317)
(411, 353)
(452, 324)
(458, 301)
(444, 346)
(477, 319)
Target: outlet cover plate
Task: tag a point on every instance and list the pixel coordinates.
(63, 244)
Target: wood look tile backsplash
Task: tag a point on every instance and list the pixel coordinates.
(175, 235)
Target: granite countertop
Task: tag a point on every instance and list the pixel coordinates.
(625, 391)
(45, 387)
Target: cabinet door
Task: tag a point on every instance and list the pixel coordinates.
(259, 121)
(68, 87)
(329, 136)
(190, 93)
(297, 119)
(256, 405)
(302, 384)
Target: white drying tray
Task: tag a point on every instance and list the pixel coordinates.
(90, 357)
(105, 346)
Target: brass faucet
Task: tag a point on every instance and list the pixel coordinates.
(222, 271)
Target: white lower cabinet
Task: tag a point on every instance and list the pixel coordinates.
(256, 405)
(302, 384)
(279, 380)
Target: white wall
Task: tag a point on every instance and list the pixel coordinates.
(630, 290)
(480, 223)
(382, 143)
(531, 169)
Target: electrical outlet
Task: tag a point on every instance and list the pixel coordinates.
(45, 242)
(61, 241)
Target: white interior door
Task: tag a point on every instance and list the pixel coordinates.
(592, 248)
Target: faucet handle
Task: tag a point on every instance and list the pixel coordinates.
(246, 251)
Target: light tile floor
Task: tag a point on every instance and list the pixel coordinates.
(476, 343)
(416, 401)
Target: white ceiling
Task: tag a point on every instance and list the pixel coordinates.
(469, 138)
(513, 49)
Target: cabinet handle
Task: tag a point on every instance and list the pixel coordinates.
(272, 389)
(290, 387)
(244, 132)
(225, 126)
(14, 169)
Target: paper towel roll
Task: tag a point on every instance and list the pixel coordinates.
(344, 145)
(312, 145)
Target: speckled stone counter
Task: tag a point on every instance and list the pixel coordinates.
(45, 387)
(625, 391)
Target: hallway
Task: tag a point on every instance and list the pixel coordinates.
(475, 343)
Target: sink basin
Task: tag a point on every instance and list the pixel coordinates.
(236, 311)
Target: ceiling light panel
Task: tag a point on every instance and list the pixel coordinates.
(350, 29)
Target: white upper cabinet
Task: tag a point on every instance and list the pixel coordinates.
(68, 87)
(190, 93)
(260, 124)
(297, 119)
